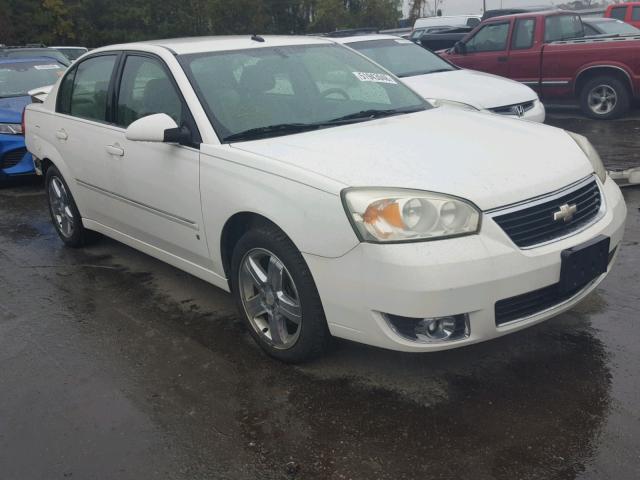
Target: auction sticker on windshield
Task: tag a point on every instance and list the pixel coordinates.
(46, 67)
(374, 77)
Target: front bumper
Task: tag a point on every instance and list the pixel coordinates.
(465, 275)
(9, 146)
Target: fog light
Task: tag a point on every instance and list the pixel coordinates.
(430, 330)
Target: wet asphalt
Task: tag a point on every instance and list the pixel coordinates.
(114, 365)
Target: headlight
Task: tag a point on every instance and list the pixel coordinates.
(11, 128)
(591, 154)
(382, 215)
(439, 102)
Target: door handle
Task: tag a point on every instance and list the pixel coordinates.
(503, 59)
(62, 134)
(115, 150)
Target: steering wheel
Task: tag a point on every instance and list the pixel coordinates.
(339, 91)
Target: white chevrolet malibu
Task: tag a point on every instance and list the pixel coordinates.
(442, 83)
(327, 196)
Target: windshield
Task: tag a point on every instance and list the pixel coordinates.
(402, 57)
(271, 91)
(616, 27)
(17, 78)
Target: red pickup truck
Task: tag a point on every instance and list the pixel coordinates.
(545, 51)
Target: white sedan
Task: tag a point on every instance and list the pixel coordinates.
(442, 83)
(328, 197)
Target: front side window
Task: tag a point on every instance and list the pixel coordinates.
(523, 34)
(635, 14)
(146, 89)
(562, 27)
(619, 12)
(273, 91)
(490, 38)
(402, 57)
(18, 77)
(89, 97)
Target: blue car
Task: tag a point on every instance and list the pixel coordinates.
(17, 77)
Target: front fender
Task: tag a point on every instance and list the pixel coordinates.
(312, 218)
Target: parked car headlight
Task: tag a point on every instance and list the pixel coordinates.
(382, 215)
(591, 153)
(440, 102)
(11, 128)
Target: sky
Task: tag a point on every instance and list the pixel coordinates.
(461, 7)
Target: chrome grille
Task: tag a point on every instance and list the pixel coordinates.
(12, 158)
(542, 221)
(517, 109)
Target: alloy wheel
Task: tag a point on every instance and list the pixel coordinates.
(602, 99)
(60, 205)
(270, 298)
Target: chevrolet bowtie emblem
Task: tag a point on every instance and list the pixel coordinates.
(565, 213)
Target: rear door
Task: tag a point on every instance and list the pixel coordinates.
(81, 126)
(156, 184)
(487, 49)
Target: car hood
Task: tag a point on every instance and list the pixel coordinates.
(490, 160)
(482, 90)
(11, 108)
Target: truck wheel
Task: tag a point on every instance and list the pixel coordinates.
(605, 98)
(275, 293)
(64, 212)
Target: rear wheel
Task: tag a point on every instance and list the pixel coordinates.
(64, 212)
(605, 98)
(275, 293)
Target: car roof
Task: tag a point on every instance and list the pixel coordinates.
(28, 60)
(534, 13)
(183, 46)
(367, 38)
(600, 20)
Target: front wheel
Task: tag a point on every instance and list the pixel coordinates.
(64, 212)
(605, 98)
(276, 295)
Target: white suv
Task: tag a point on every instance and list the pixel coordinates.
(325, 194)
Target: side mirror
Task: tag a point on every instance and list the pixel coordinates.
(460, 48)
(157, 128)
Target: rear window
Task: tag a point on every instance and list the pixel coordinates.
(562, 27)
(619, 12)
(16, 79)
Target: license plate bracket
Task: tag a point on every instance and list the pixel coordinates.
(583, 263)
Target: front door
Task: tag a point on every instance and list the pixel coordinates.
(156, 184)
(487, 50)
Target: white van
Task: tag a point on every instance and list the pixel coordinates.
(451, 20)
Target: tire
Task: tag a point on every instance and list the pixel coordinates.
(605, 98)
(264, 305)
(64, 213)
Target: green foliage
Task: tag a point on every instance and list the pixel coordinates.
(100, 22)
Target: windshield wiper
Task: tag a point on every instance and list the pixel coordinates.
(370, 114)
(271, 131)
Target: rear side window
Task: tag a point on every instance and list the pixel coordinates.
(64, 93)
(619, 12)
(523, 34)
(635, 15)
(562, 27)
(146, 89)
(490, 38)
(90, 88)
